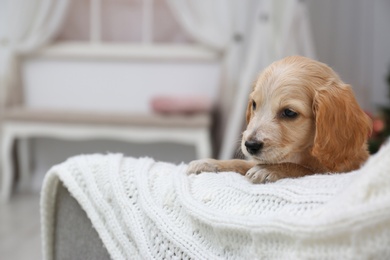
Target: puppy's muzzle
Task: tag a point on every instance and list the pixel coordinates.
(254, 147)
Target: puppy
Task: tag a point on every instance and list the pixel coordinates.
(301, 119)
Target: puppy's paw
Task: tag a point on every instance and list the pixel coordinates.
(260, 174)
(204, 165)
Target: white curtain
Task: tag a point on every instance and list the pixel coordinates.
(251, 34)
(26, 26)
(220, 25)
(208, 22)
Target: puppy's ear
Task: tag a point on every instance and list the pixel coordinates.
(342, 128)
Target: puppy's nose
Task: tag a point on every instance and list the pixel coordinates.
(253, 147)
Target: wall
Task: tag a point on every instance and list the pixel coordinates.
(381, 46)
(352, 37)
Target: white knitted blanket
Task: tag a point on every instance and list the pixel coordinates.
(144, 209)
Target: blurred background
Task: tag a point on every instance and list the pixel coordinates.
(167, 79)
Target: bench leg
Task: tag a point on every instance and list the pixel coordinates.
(7, 166)
(23, 153)
(203, 145)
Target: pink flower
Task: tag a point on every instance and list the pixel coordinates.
(378, 125)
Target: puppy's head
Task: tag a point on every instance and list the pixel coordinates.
(301, 106)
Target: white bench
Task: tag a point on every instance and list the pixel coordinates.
(21, 124)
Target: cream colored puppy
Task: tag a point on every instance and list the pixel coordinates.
(301, 119)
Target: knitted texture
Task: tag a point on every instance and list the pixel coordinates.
(144, 209)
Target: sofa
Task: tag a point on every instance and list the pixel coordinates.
(115, 207)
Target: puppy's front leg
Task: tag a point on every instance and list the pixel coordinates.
(263, 173)
(211, 165)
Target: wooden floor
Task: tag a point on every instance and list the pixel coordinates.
(20, 228)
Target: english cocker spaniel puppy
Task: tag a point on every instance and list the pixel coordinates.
(301, 119)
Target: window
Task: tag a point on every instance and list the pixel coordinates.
(121, 21)
(124, 29)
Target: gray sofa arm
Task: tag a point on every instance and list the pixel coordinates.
(74, 235)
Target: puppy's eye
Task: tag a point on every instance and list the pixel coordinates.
(253, 105)
(288, 113)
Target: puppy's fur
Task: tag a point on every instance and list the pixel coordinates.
(301, 119)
